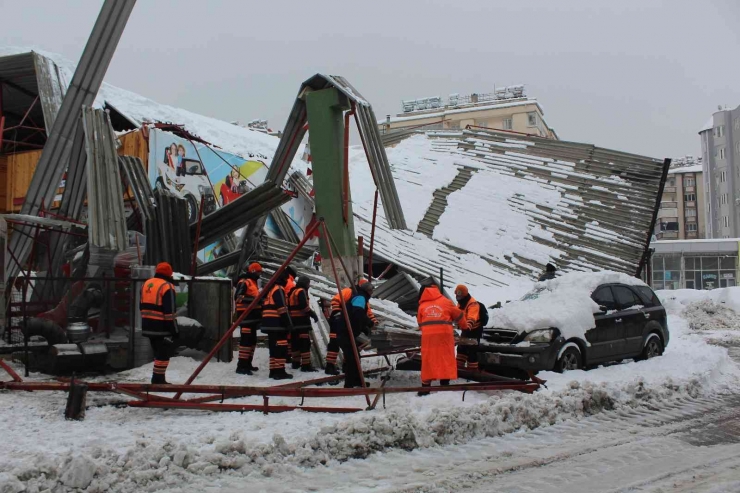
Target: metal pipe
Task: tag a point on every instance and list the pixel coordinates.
(299, 384)
(345, 177)
(345, 313)
(240, 407)
(372, 238)
(229, 390)
(251, 306)
(197, 236)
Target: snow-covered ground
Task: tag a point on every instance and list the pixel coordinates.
(122, 449)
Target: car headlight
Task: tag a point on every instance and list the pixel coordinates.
(541, 335)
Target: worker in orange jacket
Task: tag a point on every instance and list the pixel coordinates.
(468, 354)
(276, 323)
(332, 349)
(246, 292)
(158, 322)
(301, 315)
(436, 317)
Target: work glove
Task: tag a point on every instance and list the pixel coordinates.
(313, 316)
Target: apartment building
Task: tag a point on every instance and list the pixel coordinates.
(506, 108)
(681, 214)
(720, 145)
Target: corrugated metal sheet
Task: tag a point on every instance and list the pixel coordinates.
(248, 208)
(284, 225)
(618, 191)
(174, 244)
(603, 221)
(106, 216)
(81, 92)
(145, 211)
(438, 205)
(304, 187)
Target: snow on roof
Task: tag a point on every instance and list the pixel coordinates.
(232, 138)
(686, 169)
(708, 126)
(441, 114)
(564, 303)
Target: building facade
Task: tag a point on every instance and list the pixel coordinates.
(693, 264)
(681, 215)
(502, 110)
(720, 145)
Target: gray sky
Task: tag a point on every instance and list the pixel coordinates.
(639, 76)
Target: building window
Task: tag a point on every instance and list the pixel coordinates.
(532, 119)
(689, 182)
(481, 123)
(721, 152)
(690, 212)
(737, 147)
(722, 176)
(670, 182)
(726, 221)
(689, 197)
(719, 131)
(709, 272)
(507, 124)
(691, 227)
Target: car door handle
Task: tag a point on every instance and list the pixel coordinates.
(618, 321)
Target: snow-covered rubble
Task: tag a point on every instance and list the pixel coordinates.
(126, 450)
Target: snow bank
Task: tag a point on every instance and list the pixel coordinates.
(151, 465)
(564, 302)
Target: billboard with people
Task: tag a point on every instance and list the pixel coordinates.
(203, 175)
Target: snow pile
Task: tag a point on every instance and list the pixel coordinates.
(564, 303)
(151, 465)
(707, 315)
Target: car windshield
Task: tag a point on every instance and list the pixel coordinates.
(534, 294)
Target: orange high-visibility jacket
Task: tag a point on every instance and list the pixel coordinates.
(246, 292)
(157, 305)
(436, 316)
(275, 310)
(336, 305)
(299, 308)
(472, 315)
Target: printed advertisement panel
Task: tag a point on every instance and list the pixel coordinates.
(195, 172)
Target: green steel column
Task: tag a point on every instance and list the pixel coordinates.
(326, 137)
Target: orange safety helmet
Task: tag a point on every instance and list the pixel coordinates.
(164, 269)
(254, 267)
(461, 290)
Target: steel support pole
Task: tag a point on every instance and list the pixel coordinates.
(347, 322)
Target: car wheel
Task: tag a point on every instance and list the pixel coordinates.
(192, 209)
(569, 360)
(652, 349)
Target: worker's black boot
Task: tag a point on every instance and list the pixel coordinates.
(308, 369)
(296, 365)
(331, 369)
(444, 383)
(422, 393)
(243, 367)
(158, 379)
(280, 374)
